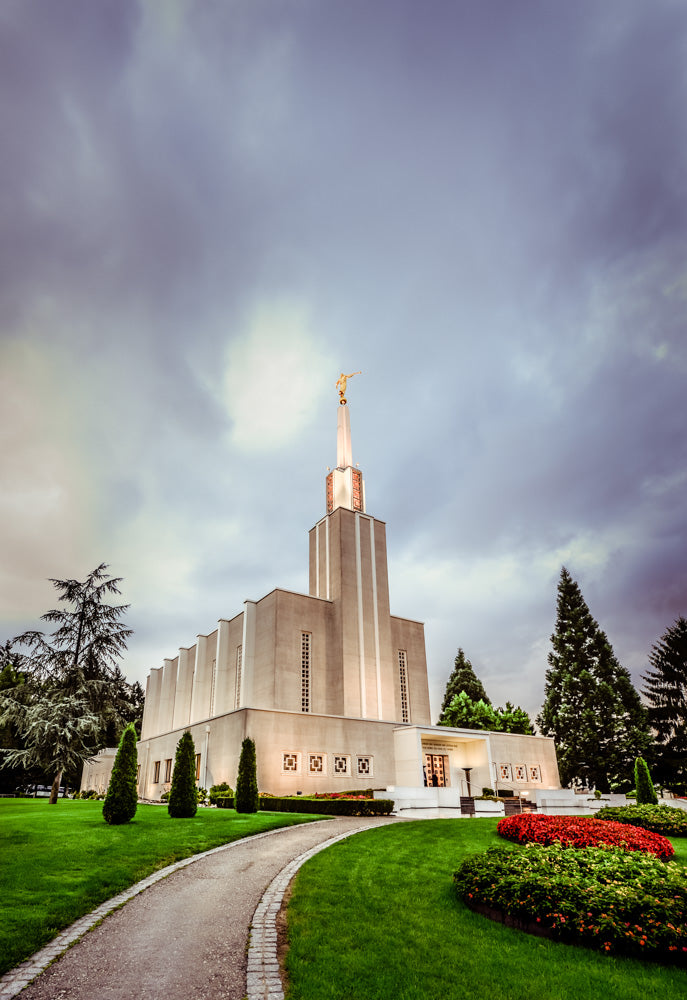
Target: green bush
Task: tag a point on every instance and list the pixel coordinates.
(667, 820)
(201, 796)
(487, 791)
(646, 793)
(122, 795)
(324, 807)
(216, 790)
(183, 802)
(626, 902)
(246, 780)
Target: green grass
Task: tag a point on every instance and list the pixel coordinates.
(376, 916)
(59, 862)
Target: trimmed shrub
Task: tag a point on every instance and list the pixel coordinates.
(323, 807)
(667, 820)
(246, 780)
(216, 790)
(183, 801)
(610, 900)
(571, 831)
(122, 795)
(646, 793)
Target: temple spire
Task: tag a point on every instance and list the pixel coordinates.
(345, 487)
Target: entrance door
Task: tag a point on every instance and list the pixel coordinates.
(435, 770)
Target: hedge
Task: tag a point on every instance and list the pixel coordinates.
(668, 820)
(323, 807)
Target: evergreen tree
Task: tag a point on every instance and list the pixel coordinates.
(183, 801)
(591, 708)
(246, 799)
(464, 679)
(513, 719)
(665, 687)
(122, 795)
(646, 793)
(79, 662)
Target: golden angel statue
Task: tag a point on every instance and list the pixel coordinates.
(341, 384)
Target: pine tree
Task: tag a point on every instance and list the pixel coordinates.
(183, 801)
(464, 679)
(79, 662)
(665, 687)
(591, 708)
(246, 799)
(646, 793)
(513, 719)
(122, 795)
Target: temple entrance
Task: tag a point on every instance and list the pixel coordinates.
(436, 770)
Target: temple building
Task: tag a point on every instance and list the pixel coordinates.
(330, 685)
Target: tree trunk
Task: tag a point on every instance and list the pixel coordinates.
(55, 790)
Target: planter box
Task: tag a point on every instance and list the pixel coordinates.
(485, 807)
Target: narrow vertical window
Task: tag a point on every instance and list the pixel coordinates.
(156, 772)
(239, 671)
(213, 680)
(197, 767)
(168, 769)
(305, 671)
(403, 679)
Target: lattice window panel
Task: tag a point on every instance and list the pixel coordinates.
(239, 673)
(364, 767)
(342, 764)
(520, 772)
(317, 763)
(213, 682)
(330, 492)
(306, 643)
(504, 772)
(290, 763)
(403, 680)
(535, 772)
(357, 484)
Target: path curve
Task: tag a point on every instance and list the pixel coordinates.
(185, 937)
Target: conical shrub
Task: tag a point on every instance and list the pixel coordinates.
(246, 799)
(183, 801)
(122, 795)
(646, 793)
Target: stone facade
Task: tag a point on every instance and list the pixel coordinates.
(330, 685)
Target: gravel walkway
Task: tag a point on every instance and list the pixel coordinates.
(186, 936)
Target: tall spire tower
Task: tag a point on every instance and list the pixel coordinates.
(345, 486)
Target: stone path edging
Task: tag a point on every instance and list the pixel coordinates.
(263, 981)
(14, 981)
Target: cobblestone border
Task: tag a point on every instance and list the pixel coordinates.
(17, 979)
(263, 981)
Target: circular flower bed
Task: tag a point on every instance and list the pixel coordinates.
(612, 900)
(571, 831)
(668, 820)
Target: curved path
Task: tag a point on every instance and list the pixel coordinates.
(185, 937)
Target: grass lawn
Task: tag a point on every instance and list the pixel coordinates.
(376, 916)
(59, 862)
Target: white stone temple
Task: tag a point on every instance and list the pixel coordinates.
(330, 685)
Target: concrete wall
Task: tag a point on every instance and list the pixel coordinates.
(410, 636)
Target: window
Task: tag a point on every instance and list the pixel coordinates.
(168, 769)
(305, 671)
(504, 772)
(290, 763)
(364, 767)
(239, 671)
(403, 679)
(317, 763)
(197, 767)
(156, 772)
(342, 764)
(535, 772)
(520, 772)
(213, 680)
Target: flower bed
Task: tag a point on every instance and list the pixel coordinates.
(604, 898)
(571, 831)
(668, 820)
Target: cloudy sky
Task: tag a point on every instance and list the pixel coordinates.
(209, 210)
